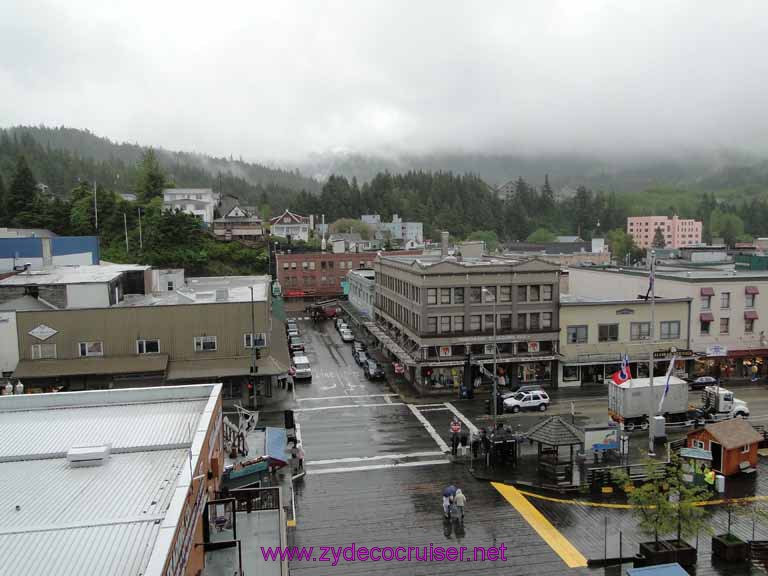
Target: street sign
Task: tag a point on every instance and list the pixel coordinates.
(445, 351)
(489, 348)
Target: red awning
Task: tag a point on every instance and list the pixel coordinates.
(750, 315)
(751, 290)
(707, 292)
(706, 317)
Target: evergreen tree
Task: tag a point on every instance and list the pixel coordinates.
(151, 178)
(3, 213)
(22, 196)
(658, 239)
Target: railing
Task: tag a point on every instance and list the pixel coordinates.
(255, 499)
(598, 477)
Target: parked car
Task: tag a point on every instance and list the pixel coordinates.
(356, 352)
(296, 345)
(291, 325)
(361, 358)
(372, 370)
(301, 367)
(347, 336)
(293, 334)
(536, 400)
(358, 345)
(339, 323)
(702, 382)
(525, 388)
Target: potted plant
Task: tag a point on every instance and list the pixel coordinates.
(665, 504)
(729, 547)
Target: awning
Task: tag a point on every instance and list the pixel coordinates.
(750, 314)
(213, 368)
(275, 444)
(707, 292)
(706, 317)
(751, 290)
(91, 366)
(696, 453)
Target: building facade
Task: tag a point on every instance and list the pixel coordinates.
(678, 232)
(397, 230)
(291, 226)
(199, 202)
(441, 312)
(238, 223)
(597, 333)
(35, 253)
(362, 291)
(728, 310)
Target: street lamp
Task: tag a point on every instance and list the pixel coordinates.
(487, 292)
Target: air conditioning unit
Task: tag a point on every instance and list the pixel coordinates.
(80, 456)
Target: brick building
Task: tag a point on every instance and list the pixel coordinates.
(678, 232)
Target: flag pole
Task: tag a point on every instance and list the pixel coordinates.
(652, 408)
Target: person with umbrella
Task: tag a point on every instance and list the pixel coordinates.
(448, 493)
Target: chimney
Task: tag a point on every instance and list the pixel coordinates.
(444, 235)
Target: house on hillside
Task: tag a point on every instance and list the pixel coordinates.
(200, 202)
(292, 226)
(733, 444)
(239, 223)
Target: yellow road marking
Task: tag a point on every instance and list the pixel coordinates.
(575, 502)
(551, 535)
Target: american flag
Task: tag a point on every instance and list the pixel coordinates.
(623, 374)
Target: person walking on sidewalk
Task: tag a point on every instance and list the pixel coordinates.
(455, 431)
(460, 501)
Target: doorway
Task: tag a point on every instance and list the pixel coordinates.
(717, 456)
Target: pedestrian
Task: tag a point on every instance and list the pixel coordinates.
(475, 446)
(460, 500)
(301, 458)
(455, 430)
(448, 493)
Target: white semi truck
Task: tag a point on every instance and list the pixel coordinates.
(629, 403)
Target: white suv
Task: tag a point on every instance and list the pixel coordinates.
(301, 367)
(535, 400)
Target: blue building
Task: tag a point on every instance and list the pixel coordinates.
(16, 253)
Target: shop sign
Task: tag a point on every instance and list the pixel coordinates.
(533, 347)
(42, 332)
(664, 354)
(490, 348)
(717, 350)
(445, 351)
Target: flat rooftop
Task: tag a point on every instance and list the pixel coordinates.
(684, 275)
(205, 290)
(117, 518)
(571, 300)
(92, 274)
(427, 260)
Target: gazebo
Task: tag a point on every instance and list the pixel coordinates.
(550, 435)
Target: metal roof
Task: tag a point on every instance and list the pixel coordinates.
(91, 274)
(93, 365)
(107, 519)
(555, 431)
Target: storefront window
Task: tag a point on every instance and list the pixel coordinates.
(570, 373)
(447, 377)
(534, 371)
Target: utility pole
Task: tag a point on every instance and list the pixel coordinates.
(652, 407)
(141, 241)
(95, 208)
(125, 227)
(494, 391)
(254, 369)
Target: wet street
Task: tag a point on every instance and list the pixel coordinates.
(376, 467)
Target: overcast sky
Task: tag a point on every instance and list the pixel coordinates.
(273, 80)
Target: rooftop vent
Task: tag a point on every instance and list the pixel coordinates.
(222, 294)
(80, 456)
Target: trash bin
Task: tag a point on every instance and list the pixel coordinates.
(720, 483)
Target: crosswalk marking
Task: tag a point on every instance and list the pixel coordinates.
(432, 432)
(372, 458)
(377, 467)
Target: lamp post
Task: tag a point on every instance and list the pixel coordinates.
(494, 379)
(254, 369)
(652, 407)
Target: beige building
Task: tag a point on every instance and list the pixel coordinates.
(439, 312)
(201, 333)
(596, 333)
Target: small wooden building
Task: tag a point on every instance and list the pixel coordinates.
(733, 444)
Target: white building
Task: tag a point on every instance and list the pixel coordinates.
(362, 291)
(397, 230)
(108, 482)
(200, 202)
(290, 225)
(728, 309)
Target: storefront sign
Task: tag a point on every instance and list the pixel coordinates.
(42, 332)
(717, 350)
(533, 347)
(490, 348)
(445, 351)
(662, 354)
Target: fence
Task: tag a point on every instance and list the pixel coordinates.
(255, 499)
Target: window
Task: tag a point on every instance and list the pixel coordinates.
(489, 319)
(522, 293)
(475, 295)
(522, 322)
(205, 343)
(330, 265)
(445, 324)
(577, 334)
(749, 326)
(305, 265)
(432, 324)
(725, 325)
(639, 330)
(505, 322)
(261, 340)
(670, 330)
(505, 294)
(431, 295)
(608, 333)
(698, 444)
(170, 285)
(570, 373)
(147, 346)
(293, 265)
(323, 265)
(43, 351)
(745, 449)
(286, 265)
(342, 265)
(458, 295)
(311, 265)
(91, 349)
(534, 294)
(706, 302)
(749, 300)
(704, 327)
(445, 295)
(474, 323)
(546, 319)
(546, 292)
(490, 293)
(533, 321)
(725, 300)
(458, 324)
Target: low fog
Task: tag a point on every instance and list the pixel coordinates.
(282, 81)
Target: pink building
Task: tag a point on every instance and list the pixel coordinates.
(677, 232)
